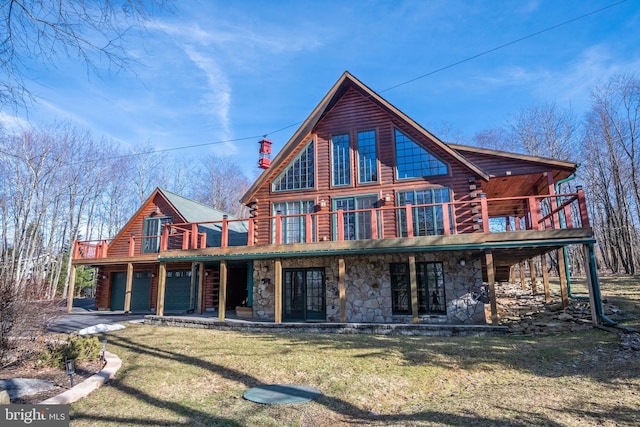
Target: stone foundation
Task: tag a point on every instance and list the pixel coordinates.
(368, 287)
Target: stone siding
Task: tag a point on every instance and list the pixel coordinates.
(368, 287)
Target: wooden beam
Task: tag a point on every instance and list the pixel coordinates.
(128, 288)
(71, 288)
(222, 298)
(413, 283)
(545, 279)
(162, 280)
(193, 303)
(523, 284)
(532, 272)
(564, 290)
(278, 290)
(586, 249)
(342, 290)
(491, 280)
(201, 276)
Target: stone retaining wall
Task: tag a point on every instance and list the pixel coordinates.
(368, 287)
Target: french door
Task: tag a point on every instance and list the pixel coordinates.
(304, 294)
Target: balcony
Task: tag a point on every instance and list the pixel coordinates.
(455, 223)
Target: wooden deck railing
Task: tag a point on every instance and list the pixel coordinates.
(480, 215)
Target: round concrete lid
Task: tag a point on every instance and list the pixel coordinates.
(276, 394)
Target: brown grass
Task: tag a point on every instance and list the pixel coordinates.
(191, 377)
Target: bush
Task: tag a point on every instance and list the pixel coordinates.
(76, 347)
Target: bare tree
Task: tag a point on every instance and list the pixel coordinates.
(43, 31)
(220, 184)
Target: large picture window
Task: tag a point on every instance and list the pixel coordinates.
(299, 174)
(367, 157)
(427, 220)
(294, 228)
(357, 225)
(430, 287)
(414, 161)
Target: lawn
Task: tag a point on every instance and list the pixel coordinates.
(191, 377)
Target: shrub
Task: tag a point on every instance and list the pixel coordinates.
(76, 347)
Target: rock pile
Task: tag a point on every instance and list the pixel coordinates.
(525, 313)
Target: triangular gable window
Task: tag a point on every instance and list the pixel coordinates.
(413, 161)
(299, 174)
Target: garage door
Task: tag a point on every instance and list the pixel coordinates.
(178, 291)
(118, 288)
(140, 291)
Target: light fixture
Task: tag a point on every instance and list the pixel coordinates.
(387, 197)
(462, 262)
(323, 203)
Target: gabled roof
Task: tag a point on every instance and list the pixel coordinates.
(345, 82)
(192, 211)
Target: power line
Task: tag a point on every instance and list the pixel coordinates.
(406, 82)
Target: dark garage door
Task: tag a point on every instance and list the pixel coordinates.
(118, 287)
(140, 291)
(177, 294)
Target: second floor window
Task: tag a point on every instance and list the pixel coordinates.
(357, 225)
(367, 157)
(341, 161)
(152, 231)
(299, 174)
(427, 220)
(414, 161)
(294, 228)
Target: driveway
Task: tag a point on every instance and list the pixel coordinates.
(84, 315)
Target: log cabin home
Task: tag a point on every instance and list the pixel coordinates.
(363, 216)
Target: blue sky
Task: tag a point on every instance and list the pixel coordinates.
(216, 71)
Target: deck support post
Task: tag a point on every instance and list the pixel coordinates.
(193, 302)
(201, 288)
(128, 288)
(532, 273)
(491, 279)
(222, 296)
(342, 290)
(413, 281)
(591, 273)
(278, 290)
(71, 288)
(562, 273)
(523, 284)
(545, 279)
(162, 280)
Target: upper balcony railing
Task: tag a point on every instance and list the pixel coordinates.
(482, 215)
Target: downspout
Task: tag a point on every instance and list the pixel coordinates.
(564, 249)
